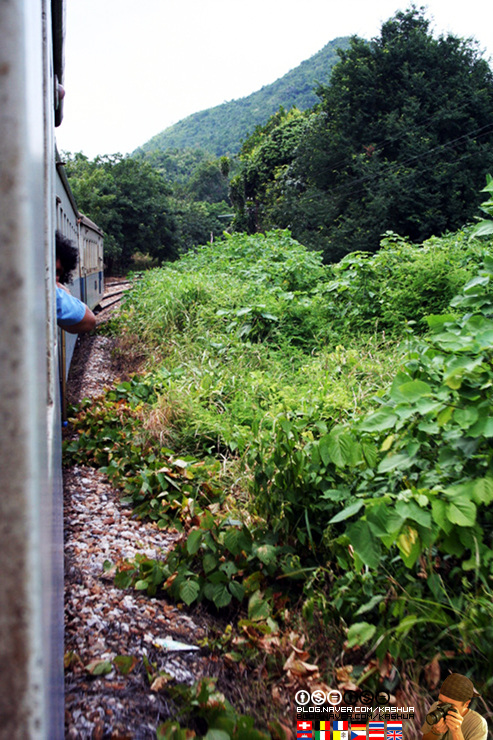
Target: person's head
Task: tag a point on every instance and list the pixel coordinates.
(457, 690)
(66, 258)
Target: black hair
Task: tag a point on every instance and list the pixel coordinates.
(68, 255)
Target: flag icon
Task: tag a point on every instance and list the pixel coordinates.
(337, 725)
(394, 731)
(303, 725)
(357, 731)
(376, 730)
(321, 735)
(304, 735)
(323, 725)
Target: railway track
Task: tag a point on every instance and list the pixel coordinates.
(113, 294)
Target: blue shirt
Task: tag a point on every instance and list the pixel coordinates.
(69, 310)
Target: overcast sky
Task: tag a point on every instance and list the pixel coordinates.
(133, 68)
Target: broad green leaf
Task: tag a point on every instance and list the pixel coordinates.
(444, 416)
(323, 447)
(379, 421)
(466, 417)
(427, 405)
(338, 448)
(258, 607)
(462, 512)
(484, 228)
(483, 490)
(438, 321)
(347, 512)
(233, 540)
(209, 562)
(394, 461)
(214, 734)
(370, 452)
(365, 543)
(229, 568)
(219, 576)
(482, 428)
(188, 591)
(360, 633)
(409, 545)
(237, 590)
(478, 281)
(415, 390)
(266, 553)
(400, 379)
(411, 510)
(374, 601)
(384, 521)
(439, 514)
(221, 596)
(194, 540)
(99, 667)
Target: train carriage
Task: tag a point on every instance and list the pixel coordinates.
(31, 500)
(91, 261)
(87, 282)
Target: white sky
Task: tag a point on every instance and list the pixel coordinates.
(135, 67)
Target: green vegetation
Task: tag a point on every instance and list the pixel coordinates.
(150, 214)
(130, 201)
(402, 139)
(399, 141)
(321, 436)
(221, 130)
(314, 415)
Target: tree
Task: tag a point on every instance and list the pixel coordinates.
(209, 183)
(199, 221)
(402, 140)
(129, 200)
(265, 157)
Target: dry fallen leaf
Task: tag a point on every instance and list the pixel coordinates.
(160, 682)
(300, 667)
(432, 673)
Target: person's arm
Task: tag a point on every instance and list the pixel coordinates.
(87, 323)
(72, 314)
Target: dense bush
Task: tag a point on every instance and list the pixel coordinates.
(366, 465)
(401, 283)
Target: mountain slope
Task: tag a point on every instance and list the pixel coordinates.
(221, 130)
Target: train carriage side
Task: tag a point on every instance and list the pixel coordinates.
(67, 217)
(91, 261)
(31, 504)
(87, 280)
(35, 200)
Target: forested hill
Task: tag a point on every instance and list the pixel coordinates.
(222, 129)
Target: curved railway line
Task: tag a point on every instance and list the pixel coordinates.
(113, 293)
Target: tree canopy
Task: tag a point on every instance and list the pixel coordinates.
(145, 211)
(401, 140)
(129, 200)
